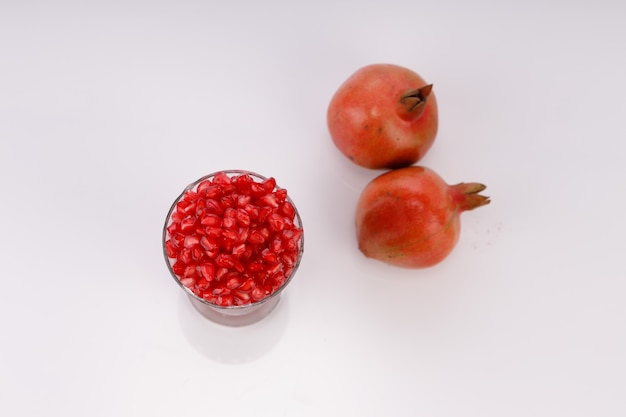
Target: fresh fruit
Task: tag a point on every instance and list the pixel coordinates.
(410, 217)
(383, 116)
(232, 240)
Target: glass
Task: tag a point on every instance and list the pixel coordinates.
(233, 315)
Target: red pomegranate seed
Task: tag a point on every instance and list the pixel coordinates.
(221, 178)
(202, 284)
(221, 273)
(243, 200)
(213, 232)
(239, 250)
(224, 260)
(171, 249)
(269, 257)
(232, 240)
(269, 185)
(281, 194)
(242, 296)
(211, 219)
(225, 301)
(255, 237)
(276, 222)
(209, 243)
(258, 293)
(188, 282)
(269, 200)
(288, 210)
(190, 271)
(276, 246)
(207, 270)
(247, 285)
(173, 228)
(185, 256)
(230, 235)
(191, 241)
(188, 224)
(233, 282)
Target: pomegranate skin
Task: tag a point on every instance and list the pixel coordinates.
(410, 217)
(383, 116)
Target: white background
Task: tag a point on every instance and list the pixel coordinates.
(108, 109)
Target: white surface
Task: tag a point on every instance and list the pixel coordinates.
(110, 108)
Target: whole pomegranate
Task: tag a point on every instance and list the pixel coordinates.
(383, 116)
(409, 217)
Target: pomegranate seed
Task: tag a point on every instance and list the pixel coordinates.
(269, 200)
(214, 206)
(221, 178)
(171, 248)
(209, 243)
(243, 200)
(238, 266)
(258, 293)
(269, 185)
(273, 269)
(247, 285)
(223, 260)
(221, 273)
(227, 201)
(243, 182)
(225, 301)
(220, 291)
(229, 222)
(244, 232)
(213, 232)
(232, 240)
(242, 295)
(288, 210)
(179, 268)
(204, 186)
(191, 241)
(233, 282)
(276, 222)
(269, 256)
(230, 235)
(190, 271)
(188, 282)
(197, 253)
(243, 218)
(202, 284)
(211, 219)
(188, 224)
(207, 270)
(256, 237)
(280, 195)
(185, 255)
(255, 267)
(252, 210)
(276, 246)
(172, 229)
(239, 249)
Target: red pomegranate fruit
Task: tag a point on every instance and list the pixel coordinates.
(383, 116)
(410, 217)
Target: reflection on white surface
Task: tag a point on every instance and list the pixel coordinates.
(232, 345)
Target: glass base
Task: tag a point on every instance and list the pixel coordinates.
(237, 316)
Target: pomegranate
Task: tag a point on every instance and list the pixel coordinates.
(410, 217)
(231, 240)
(383, 116)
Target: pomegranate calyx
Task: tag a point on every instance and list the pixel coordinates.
(415, 100)
(469, 197)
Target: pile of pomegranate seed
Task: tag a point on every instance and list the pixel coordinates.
(232, 240)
